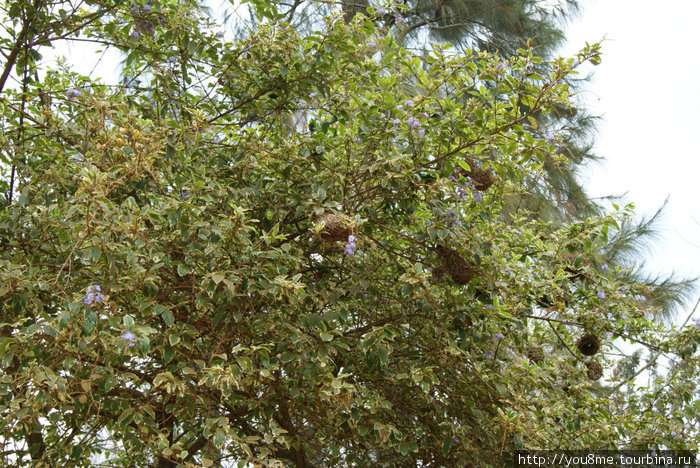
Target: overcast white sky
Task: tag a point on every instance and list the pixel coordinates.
(646, 90)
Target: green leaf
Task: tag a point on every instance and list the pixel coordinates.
(168, 317)
(219, 438)
(288, 357)
(446, 444)
(168, 354)
(173, 339)
(383, 354)
(182, 270)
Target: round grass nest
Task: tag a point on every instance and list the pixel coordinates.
(457, 267)
(595, 370)
(588, 344)
(481, 178)
(535, 355)
(336, 227)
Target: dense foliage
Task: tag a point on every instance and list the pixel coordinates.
(266, 251)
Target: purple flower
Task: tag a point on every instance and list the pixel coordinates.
(697, 322)
(501, 67)
(498, 337)
(381, 11)
(550, 138)
(601, 295)
(129, 337)
(477, 196)
(73, 93)
(397, 121)
(399, 18)
(409, 103)
(350, 246)
(172, 59)
(220, 35)
(135, 11)
(93, 295)
(399, 107)
(605, 267)
(488, 354)
(673, 433)
(454, 439)
(490, 307)
(135, 34)
(414, 122)
(372, 44)
(146, 8)
(421, 131)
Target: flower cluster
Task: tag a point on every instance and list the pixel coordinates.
(697, 322)
(73, 93)
(412, 121)
(129, 338)
(452, 218)
(142, 21)
(93, 295)
(498, 337)
(461, 192)
(601, 295)
(350, 246)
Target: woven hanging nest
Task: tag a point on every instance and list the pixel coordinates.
(595, 370)
(457, 267)
(481, 178)
(588, 344)
(336, 227)
(535, 355)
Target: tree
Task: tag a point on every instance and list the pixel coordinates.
(187, 278)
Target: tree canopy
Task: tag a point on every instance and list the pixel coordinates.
(265, 251)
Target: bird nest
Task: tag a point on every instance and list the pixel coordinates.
(595, 370)
(336, 227)
(455, 265)
(535, 355)
(588, 344)
(481, 178)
